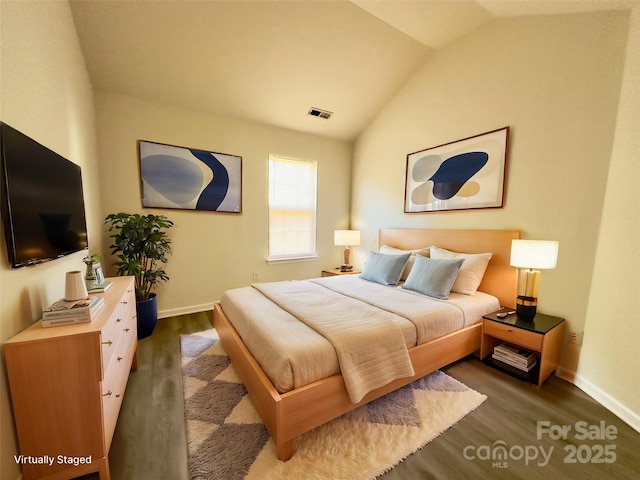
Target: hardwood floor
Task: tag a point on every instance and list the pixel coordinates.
(150, 439)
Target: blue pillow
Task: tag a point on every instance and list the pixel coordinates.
(433, 277)
(384, 268)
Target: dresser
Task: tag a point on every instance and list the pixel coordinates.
(67, 385)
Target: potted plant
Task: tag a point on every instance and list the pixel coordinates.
(90, 279)
(141, 245)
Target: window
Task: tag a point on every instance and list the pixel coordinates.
(292, 208)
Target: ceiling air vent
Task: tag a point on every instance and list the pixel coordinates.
(316, 112)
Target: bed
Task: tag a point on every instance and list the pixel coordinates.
(289, 408)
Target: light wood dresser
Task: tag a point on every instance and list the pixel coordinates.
(67, 385)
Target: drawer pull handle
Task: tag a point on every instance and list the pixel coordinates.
(118, 320)
(509, 330)
(117, 395)
(108, 394)
(126, 329)
(119, 358)
(107, 343)
(124, 302)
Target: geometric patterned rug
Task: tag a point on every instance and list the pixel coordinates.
(227, 440)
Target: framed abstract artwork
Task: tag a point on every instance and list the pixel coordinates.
(187, 178)
(467, 173)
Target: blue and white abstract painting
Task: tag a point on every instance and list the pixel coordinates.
(468, 173)
(187, 178)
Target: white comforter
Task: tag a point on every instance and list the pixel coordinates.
(292, 354)
(370, 347)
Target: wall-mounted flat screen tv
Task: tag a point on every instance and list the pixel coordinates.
(42, 201)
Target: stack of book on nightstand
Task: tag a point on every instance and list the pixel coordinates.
(514, 356)
(65, 312)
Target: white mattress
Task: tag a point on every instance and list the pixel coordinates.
(293, 355)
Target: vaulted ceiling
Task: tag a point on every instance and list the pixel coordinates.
(271, 61)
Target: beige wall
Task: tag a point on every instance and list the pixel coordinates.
(216, 251)
(556, 82)
(45, 93)
(612, 333)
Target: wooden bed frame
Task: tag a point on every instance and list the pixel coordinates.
(290, 414)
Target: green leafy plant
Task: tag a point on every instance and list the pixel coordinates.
(89, 260)
(141, 245)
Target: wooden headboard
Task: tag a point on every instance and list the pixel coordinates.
(500, 279)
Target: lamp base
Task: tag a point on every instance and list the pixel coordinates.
(526, 307)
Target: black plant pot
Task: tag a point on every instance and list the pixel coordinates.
(147, 311)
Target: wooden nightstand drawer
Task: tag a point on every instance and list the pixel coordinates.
(336, 272)
(542, 335)
(513, 335)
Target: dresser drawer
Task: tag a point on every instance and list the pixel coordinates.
(514, 335)
(115, 380)
(109, 337)
(123, 318)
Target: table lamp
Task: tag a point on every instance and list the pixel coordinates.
(346, 238)
(530, 256)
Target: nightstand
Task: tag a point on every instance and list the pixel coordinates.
(542, 336)
(336, 271)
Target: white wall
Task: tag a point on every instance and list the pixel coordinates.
(216, 251)
(45, 93)
(555, 80)
(612, 334)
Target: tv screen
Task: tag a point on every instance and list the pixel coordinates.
(42, 201)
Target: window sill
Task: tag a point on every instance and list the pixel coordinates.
(307, 258)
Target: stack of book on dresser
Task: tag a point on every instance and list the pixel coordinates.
(64, 312)
(514, 356)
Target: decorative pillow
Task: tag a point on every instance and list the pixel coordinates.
(433, 277)
(471, 272)
(396, 251)
(384, 268)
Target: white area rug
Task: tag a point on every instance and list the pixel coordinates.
(227, 440)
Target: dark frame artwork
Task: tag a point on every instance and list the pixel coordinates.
(460, 175)
(188, 178)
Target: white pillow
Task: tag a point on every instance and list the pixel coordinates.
(396, 251)
(471, 272)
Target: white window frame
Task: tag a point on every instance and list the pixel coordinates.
(284, 197)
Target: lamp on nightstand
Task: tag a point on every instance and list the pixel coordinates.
(346, 238)
(531, 256)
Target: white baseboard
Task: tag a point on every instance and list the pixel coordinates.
(614, 406)
(205, 307)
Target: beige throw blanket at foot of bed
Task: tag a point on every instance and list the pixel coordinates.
(369, 345)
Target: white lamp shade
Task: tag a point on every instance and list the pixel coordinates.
(347, 238)
(539, 254)
(74, 288)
